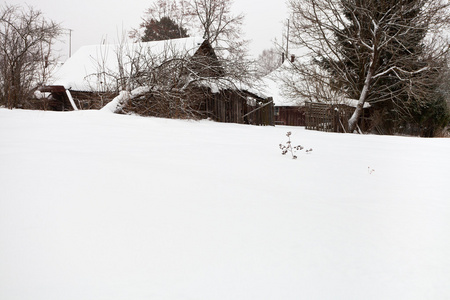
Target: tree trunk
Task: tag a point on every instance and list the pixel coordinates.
(116, 105)
(353, 121)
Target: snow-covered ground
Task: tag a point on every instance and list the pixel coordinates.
(102, 206)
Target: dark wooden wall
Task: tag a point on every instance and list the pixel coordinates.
(230, 106)
(289, 115)
(233, 107)
(333, 118)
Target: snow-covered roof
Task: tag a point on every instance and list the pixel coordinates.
(226, 83)
(273, 85)
(96, 67)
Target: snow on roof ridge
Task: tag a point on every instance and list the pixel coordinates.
(195, 39)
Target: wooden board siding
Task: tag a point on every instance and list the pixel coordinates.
(332, 118)
(232, 107)
(289, 115)
(205, 63)
(319, 116)
(227, 106)
(83, 100)
(88, 100)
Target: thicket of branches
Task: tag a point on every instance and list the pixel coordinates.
(268, 61)
(176, 85)
(388, 53)
(169, 83)
(26, 39)
(215, 22)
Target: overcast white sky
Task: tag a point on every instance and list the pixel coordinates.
(95, 20)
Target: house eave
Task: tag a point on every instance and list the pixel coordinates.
(52, 89)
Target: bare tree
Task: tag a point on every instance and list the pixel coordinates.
(163, 79)
(223, 30)
(26, 38)
(176, 10)
(215, 21)
(211, 18)
(372, 51)
(268, 61)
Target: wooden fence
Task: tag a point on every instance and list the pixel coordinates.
(327, 117)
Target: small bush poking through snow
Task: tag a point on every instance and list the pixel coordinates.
(288, 148)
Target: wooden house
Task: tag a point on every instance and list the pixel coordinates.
(331, 113)
(183, 70)
(286, 111)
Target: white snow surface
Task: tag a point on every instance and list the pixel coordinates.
(105, 206)
(274, 84)
(96, 67)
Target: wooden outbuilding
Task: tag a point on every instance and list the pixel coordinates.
(94, 75)
(286, 111)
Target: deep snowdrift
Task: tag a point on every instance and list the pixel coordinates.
(102, 206)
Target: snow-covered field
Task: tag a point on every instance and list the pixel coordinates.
(101, 206)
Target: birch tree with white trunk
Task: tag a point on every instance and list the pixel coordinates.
(368, 50)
